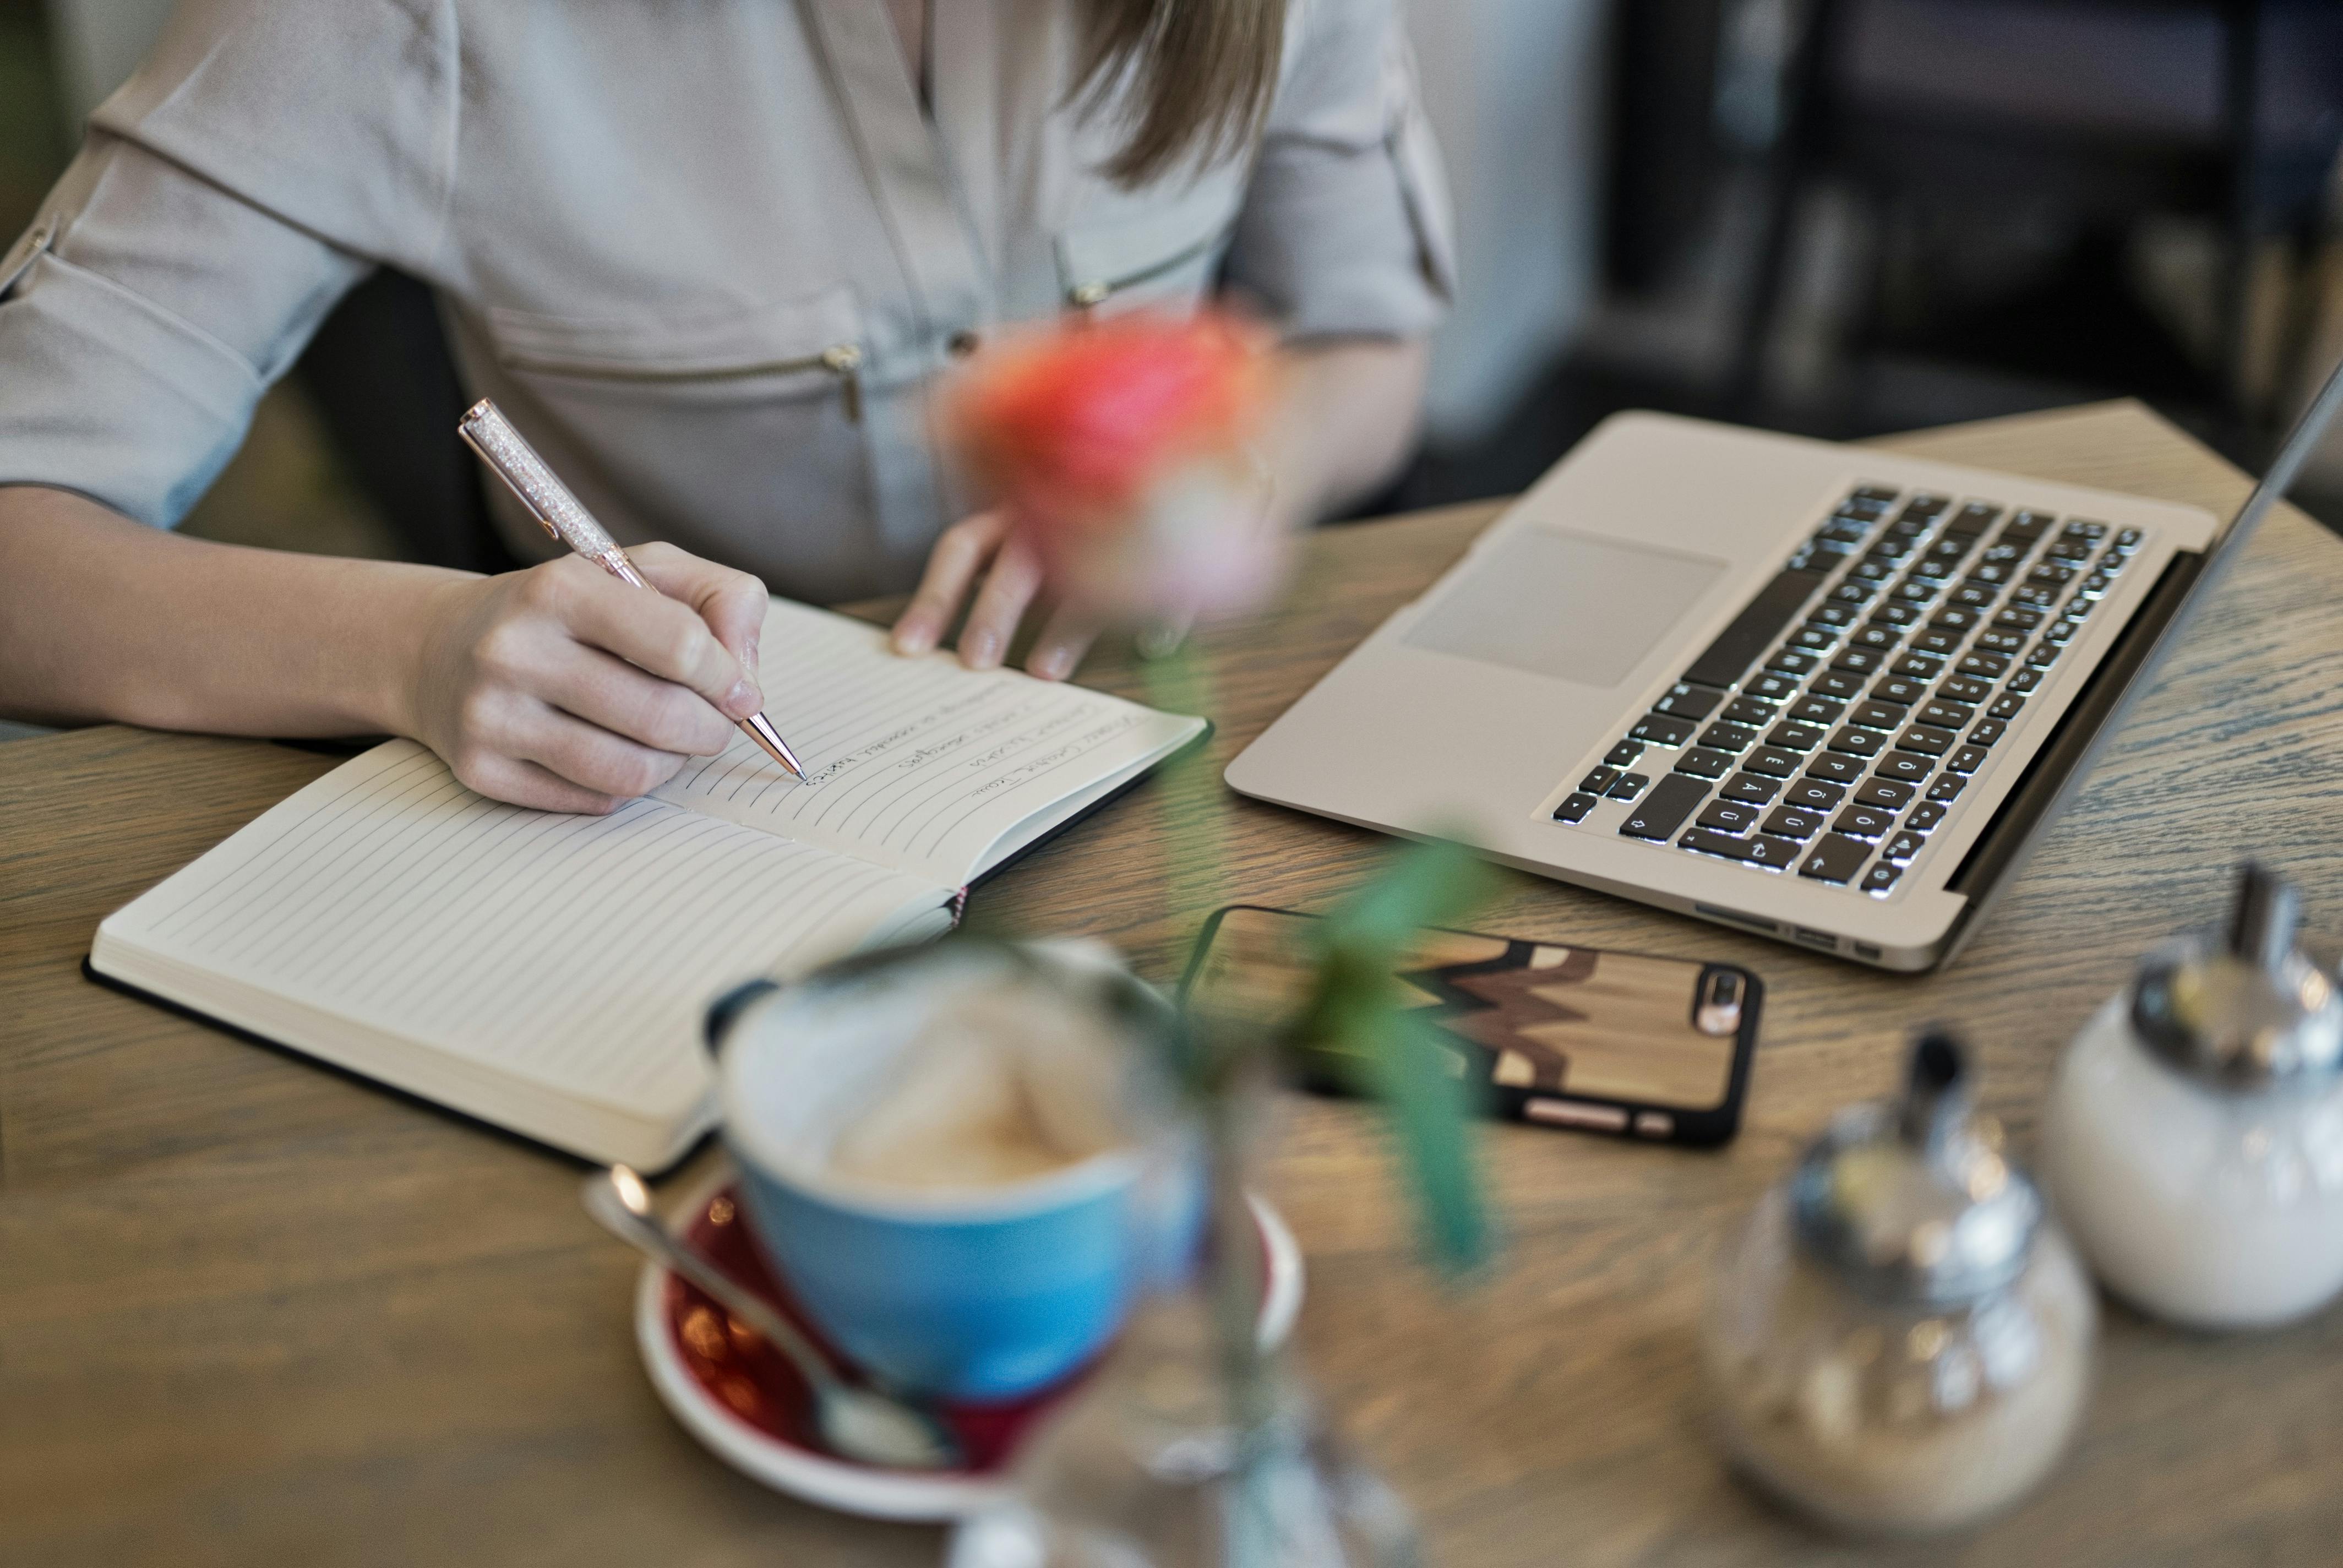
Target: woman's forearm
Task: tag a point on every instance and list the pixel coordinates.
(1349, 420)
(103, 619)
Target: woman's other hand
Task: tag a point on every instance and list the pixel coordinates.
(979, 556)
(564, 688)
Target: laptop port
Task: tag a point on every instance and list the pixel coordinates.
(1816, 938)
(1866, 950)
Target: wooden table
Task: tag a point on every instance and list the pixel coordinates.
(253, 1311)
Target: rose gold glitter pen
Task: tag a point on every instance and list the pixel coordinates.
(512, 459)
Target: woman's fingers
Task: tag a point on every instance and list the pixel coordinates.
(663, 636)
(593, 686)
(589, 756)
(1065, 636)
(519, 783)
(732, 603)
(961, 552)
(1000, 604)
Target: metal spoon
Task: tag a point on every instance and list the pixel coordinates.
(855, 1423)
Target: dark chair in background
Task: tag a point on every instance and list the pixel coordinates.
(384, 387)
(2100, 111)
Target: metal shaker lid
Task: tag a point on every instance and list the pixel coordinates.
(1911, 1202)
(2248, 1011)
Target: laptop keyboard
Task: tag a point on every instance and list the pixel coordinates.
(1830, 728)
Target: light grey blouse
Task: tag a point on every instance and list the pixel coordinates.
(709, 257)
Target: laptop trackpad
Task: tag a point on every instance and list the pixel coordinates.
(1571, 606)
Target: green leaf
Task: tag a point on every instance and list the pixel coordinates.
(1355, 1016)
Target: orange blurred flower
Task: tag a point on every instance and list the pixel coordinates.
(1124, 450)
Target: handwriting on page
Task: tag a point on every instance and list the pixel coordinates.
(915, 763)
(577, 950)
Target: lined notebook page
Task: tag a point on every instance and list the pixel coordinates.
(575, 953)
(915, 763)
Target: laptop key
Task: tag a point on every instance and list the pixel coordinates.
(1794, 738)
(1836, 683)
(1817, 710)
(1772, 761)
(1599, 780)
(2006, 707)
(1937, 642)
(1854, 591)
(1708, 841)
(1916, 590)
(2061, 632)
(1947, 714)
(1858, 742)
(1948, 787)
(1987, 733)
(1687, 700)
(1659, 730)
(1863, 822)
(1761, 620)
(1729, 738)
(1772, 688)
(1879, 715)
(1748, 710)
(2018, 617)
(1998, 641)
(2077, 607)
(1812, 794)
(1779, 854)
(1900, 688)
(1791, 822)
(1987, 665)
(2028, 526)
(1835, 766)
(1966, 688)
(1791, 661)
(1953, 617)
(1703, 763)
(1729, 817)
(1574, 807)
(1876, 639)
(2034, 594)
(1904, 766)
(1968, 759)
(1750, 789)
(1925, 816)
(1896, 615)
(1903, 847)
(1662, 810)
(1623, 753)
(1835, 858)
(1885, 794)
(2025, 681)
(1976, 595)
(1920, 667)
(1927, 739)
(1629, 786)
(1881, 877)
(2045, 655)
(1974, 518)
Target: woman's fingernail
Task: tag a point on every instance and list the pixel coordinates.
(743, 700)
(913, 639)
(1050, 664)
(750, 658)
(981, 650)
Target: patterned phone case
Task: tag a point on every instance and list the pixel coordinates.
(1642, 1047)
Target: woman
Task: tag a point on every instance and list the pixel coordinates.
(711, 259)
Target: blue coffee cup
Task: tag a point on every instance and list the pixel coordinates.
(978, 1293)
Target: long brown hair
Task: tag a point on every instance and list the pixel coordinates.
(1202, 74)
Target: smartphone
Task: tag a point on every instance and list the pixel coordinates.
(1624, 1044)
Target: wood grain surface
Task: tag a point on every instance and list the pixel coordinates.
(255, 1311)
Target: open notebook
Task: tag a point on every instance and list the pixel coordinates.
(548, 973)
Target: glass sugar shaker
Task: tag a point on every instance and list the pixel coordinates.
(1899, 1339)
(2194, 1139)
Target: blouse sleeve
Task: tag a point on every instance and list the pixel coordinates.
(209, 224)
(1345, 228)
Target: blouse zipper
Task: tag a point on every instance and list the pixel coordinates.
(843, 360)
(1086, 296)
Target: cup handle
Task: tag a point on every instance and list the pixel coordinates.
(726, 1011)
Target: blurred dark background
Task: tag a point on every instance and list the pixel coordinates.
(1838, 218)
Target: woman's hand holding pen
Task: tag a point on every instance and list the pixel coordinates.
(564, 688)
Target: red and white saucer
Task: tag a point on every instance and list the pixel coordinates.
(746, 1403)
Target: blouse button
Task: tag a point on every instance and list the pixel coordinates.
(962, 343)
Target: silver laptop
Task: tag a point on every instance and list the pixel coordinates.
(1814, 691)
